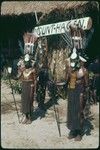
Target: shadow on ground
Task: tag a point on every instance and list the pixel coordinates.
(8, 107)
(87, 126)
(40, 113)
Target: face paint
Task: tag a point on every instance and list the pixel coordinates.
(72, 64)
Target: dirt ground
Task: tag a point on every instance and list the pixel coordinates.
(43, 132)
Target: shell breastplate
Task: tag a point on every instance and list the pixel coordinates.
(26, 75)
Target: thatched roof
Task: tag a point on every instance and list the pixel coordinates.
(19, 7)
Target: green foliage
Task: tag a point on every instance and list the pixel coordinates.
(16, 85)
(4, 77)
(91, 75)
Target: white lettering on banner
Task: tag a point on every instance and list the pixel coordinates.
(61, 27)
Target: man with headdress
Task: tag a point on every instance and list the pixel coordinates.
(28, 78)
(77, 77)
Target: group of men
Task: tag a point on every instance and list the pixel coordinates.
(77, 77)
(36, 79)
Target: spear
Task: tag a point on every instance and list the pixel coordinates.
(57, 119)
(9, 74)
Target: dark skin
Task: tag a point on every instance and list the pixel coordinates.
(32, 76)
(85, 79)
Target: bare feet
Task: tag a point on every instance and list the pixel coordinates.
(71, 137)
(25, 120)
(29, 121)
(78, 138)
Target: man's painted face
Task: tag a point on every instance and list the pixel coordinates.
(74, 64)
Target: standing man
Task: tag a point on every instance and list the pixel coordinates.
(43, 76)
(77, 78)
(95, 68)
(28, 78)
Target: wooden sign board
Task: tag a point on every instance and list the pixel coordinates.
(61, 27)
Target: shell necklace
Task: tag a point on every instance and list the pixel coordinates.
(26, 73)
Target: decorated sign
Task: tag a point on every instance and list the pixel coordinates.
(61, 27)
